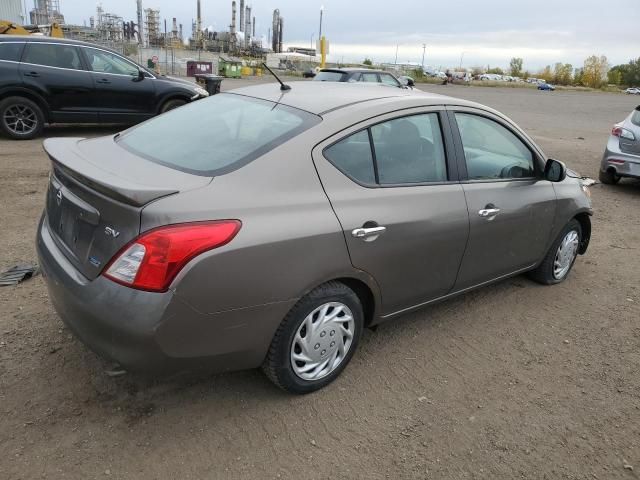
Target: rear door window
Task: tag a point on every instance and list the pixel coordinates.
(369, 78)
(330, 77)
(53, 55)
(352, 156)
(219, 134)
(635, 117)
(11, 51)
(410, 150)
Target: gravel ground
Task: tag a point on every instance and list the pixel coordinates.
(512, 381)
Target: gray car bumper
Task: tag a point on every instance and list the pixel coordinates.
(153, 332)
(618, 162)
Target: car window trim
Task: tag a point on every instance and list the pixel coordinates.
(538, 158)
(450, 155)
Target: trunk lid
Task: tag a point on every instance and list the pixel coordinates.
(96, 193)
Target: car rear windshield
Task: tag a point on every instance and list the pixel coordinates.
(330, 77)
(635, 117)
(217, 135)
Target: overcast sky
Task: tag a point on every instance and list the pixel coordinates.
(489, 32)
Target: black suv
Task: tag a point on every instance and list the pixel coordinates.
(53, 80)
(357, 75)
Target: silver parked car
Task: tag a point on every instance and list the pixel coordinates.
(622, 156)
(268, 228)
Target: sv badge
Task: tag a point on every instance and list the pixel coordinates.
(111, 232)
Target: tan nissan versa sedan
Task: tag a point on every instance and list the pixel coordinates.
(267, 226)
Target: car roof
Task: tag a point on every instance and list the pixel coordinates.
(42, 38)
(323, 97)
(353, 70)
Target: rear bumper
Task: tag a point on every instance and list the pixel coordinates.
(153, 332)
(622, 164)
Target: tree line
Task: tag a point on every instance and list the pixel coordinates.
(595, 72)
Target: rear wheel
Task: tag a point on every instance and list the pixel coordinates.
(609, 178)
(20, 118)
(561, 256)
(316, 340)
(171, 104)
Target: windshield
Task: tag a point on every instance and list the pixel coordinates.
(217, 135)
(330, 77)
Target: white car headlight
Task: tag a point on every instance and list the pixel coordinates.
(201, 91)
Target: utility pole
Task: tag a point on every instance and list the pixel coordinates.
(397, 47)
(424, 49)
(461, 57)
(321, 12)
(312, 35)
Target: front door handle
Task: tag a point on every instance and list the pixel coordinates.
(31, 74)
(103, 81)
(368, 233)
(489, 212)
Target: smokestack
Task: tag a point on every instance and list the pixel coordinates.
(253, 23)
(242, 15)
(140, 23)
(198, 23)
(274, 30)
(180, 32)
(280, 28)
(233, 18)
(247, 30)
(174, 28)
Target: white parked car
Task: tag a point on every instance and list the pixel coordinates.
(633, 91)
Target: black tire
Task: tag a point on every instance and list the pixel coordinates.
(171, 104)
(278, 364)
(30, 118)
(609, 178)
(544, 274)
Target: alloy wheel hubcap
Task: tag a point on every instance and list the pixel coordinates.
(566, 254)
(322, 341)
(20, 119)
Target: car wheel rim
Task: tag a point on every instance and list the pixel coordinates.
(322, 341)
(566, 254)
(20, 119)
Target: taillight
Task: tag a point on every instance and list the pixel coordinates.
(618, 131)
(152, 261)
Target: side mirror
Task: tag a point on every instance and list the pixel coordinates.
(555, 171)
(411, 83)
(140, 76)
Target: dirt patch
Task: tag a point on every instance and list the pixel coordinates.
(511, 381)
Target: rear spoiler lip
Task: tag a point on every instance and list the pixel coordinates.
(65, 157)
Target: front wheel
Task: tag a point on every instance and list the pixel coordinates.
(171, 104)
(316, 340)
(560, 258)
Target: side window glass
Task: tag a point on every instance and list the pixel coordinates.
(492, 151)
(410, 150)
(11, 51)
(52, 55)
(105, 62)
(389, 80)
(352, 156)
(369, 77)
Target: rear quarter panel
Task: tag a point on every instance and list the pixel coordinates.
(290, 240)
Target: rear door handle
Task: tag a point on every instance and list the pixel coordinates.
(489, 212)
(31, 74)
(103, 81)
(368, 233)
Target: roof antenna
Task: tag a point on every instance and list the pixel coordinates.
(283, 87)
